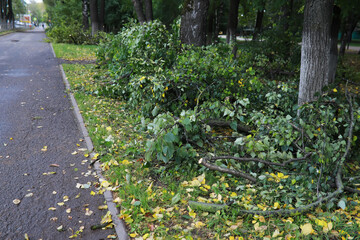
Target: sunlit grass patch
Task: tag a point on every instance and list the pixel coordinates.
(74, 52)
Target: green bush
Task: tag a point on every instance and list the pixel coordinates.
(72, 33)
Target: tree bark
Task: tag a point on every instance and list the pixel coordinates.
(102, 15)
(94, 17)
(258, 25)
(193, 22)
(85, 14)
(315, 51)
(335, 27)
(139, 11)
(232, 21)
(148, 10)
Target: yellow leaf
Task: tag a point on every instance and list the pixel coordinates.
(60, 203)
(233, 194)
(146, 236)
(133, 235)
(108, 129)
(306, 229)
(125, 162)
(44, 149)
(192, 214)
(102, 207)
(335, 90)
(52, 209)
(199, 224)
(105, 184)
(276, 205)
(92, 193)
(276, 233)
(68, 210)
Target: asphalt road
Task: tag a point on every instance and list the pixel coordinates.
(35, 112)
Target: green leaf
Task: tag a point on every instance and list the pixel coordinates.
(169, 137)
(233, 125)
(175, 199)
(342, 204)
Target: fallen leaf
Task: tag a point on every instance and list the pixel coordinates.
(68, 210)
(102, 207)
(306, 229)
(52, 208)
(29, 195)
(26, 236)
(54, 219)
(60, 228)
(74, 153)
(16, 201)
(66, 198)
(88, 212)
(54, 165)
(60, 203)
(44, 149)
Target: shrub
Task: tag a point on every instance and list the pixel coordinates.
(72, 33)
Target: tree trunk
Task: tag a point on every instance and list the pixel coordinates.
(139, 11)
(335, 27)
(85, 14)
(148, 10)
(232, 21)
(102, 15)
(349, 27)
(258, 25)
(193, 22)
(94, 17)
(315, 50)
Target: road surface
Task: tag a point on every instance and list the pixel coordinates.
(42, 163)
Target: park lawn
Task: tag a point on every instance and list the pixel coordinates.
(74, 52)
(154, 201)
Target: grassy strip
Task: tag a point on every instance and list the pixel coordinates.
(154, 198)
(74, 52)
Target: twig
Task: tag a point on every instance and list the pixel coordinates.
(236, 173)
(283, 164)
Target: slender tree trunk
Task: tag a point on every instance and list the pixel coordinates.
(193, 22)
(148, 10)
(102, 15)
(85, 14)
(139, 11)
(349, 27)
(232, 21)
(258, 25)
(335, 27)
(94, 17)
(315, 51)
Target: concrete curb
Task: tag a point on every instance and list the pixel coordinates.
(120, 226)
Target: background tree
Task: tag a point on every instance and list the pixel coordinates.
(94, 16)
(142, 16)
(315, 51)
(193, 22)
(232, 21)
(85, 14)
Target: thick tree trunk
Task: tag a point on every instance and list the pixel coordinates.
(193, 22)
(148, 10)
(232, 21)
(315, 51)
(258, 25)
(335, 27)
(102, 15)
(139, 11)
(94, 17)
(85, 14)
